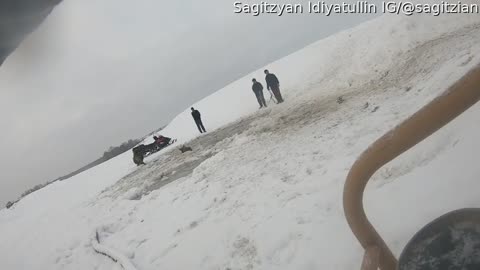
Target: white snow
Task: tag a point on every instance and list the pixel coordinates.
(262, 189)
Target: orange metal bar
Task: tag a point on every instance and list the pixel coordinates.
(371, 259)
(458, 98)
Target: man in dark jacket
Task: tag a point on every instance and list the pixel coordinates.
(198, 120)
(138, 154)
(258, 90)
(274, 85)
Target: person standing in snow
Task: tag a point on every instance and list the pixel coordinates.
(273, 85)
(258, 90)
(198, 120)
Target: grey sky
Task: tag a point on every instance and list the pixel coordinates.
(100, 72)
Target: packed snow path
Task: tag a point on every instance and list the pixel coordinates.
(264, 191)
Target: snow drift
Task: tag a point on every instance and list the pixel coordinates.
(262, 189)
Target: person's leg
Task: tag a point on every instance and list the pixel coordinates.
(276, 92)
(262, 99)
(198, 126)
(201, 124)
(257, 94)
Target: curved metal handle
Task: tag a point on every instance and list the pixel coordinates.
(458, 98)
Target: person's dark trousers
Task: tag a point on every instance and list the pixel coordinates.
(261, 98)
(200, 126)
(276, 93)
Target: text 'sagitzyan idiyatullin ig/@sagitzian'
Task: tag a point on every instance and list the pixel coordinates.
(358, 7)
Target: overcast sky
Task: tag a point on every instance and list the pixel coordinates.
(98, 73)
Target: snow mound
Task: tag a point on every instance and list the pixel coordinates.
(262, 189)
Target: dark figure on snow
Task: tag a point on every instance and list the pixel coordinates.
(161, 141)
(138, 154)
(198, 120)
(273, 85)
(258, 90)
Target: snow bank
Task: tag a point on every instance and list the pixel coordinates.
(352, 56)
(266, 193)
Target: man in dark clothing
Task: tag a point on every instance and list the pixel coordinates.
(198, 120)
(138, 154)
(258, 90)
(274, 85)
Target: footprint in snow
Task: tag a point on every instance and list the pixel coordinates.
(244, 254)
(466, 61)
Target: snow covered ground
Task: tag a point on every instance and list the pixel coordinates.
(262, 189)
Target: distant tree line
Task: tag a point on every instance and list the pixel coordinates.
(112, 152)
